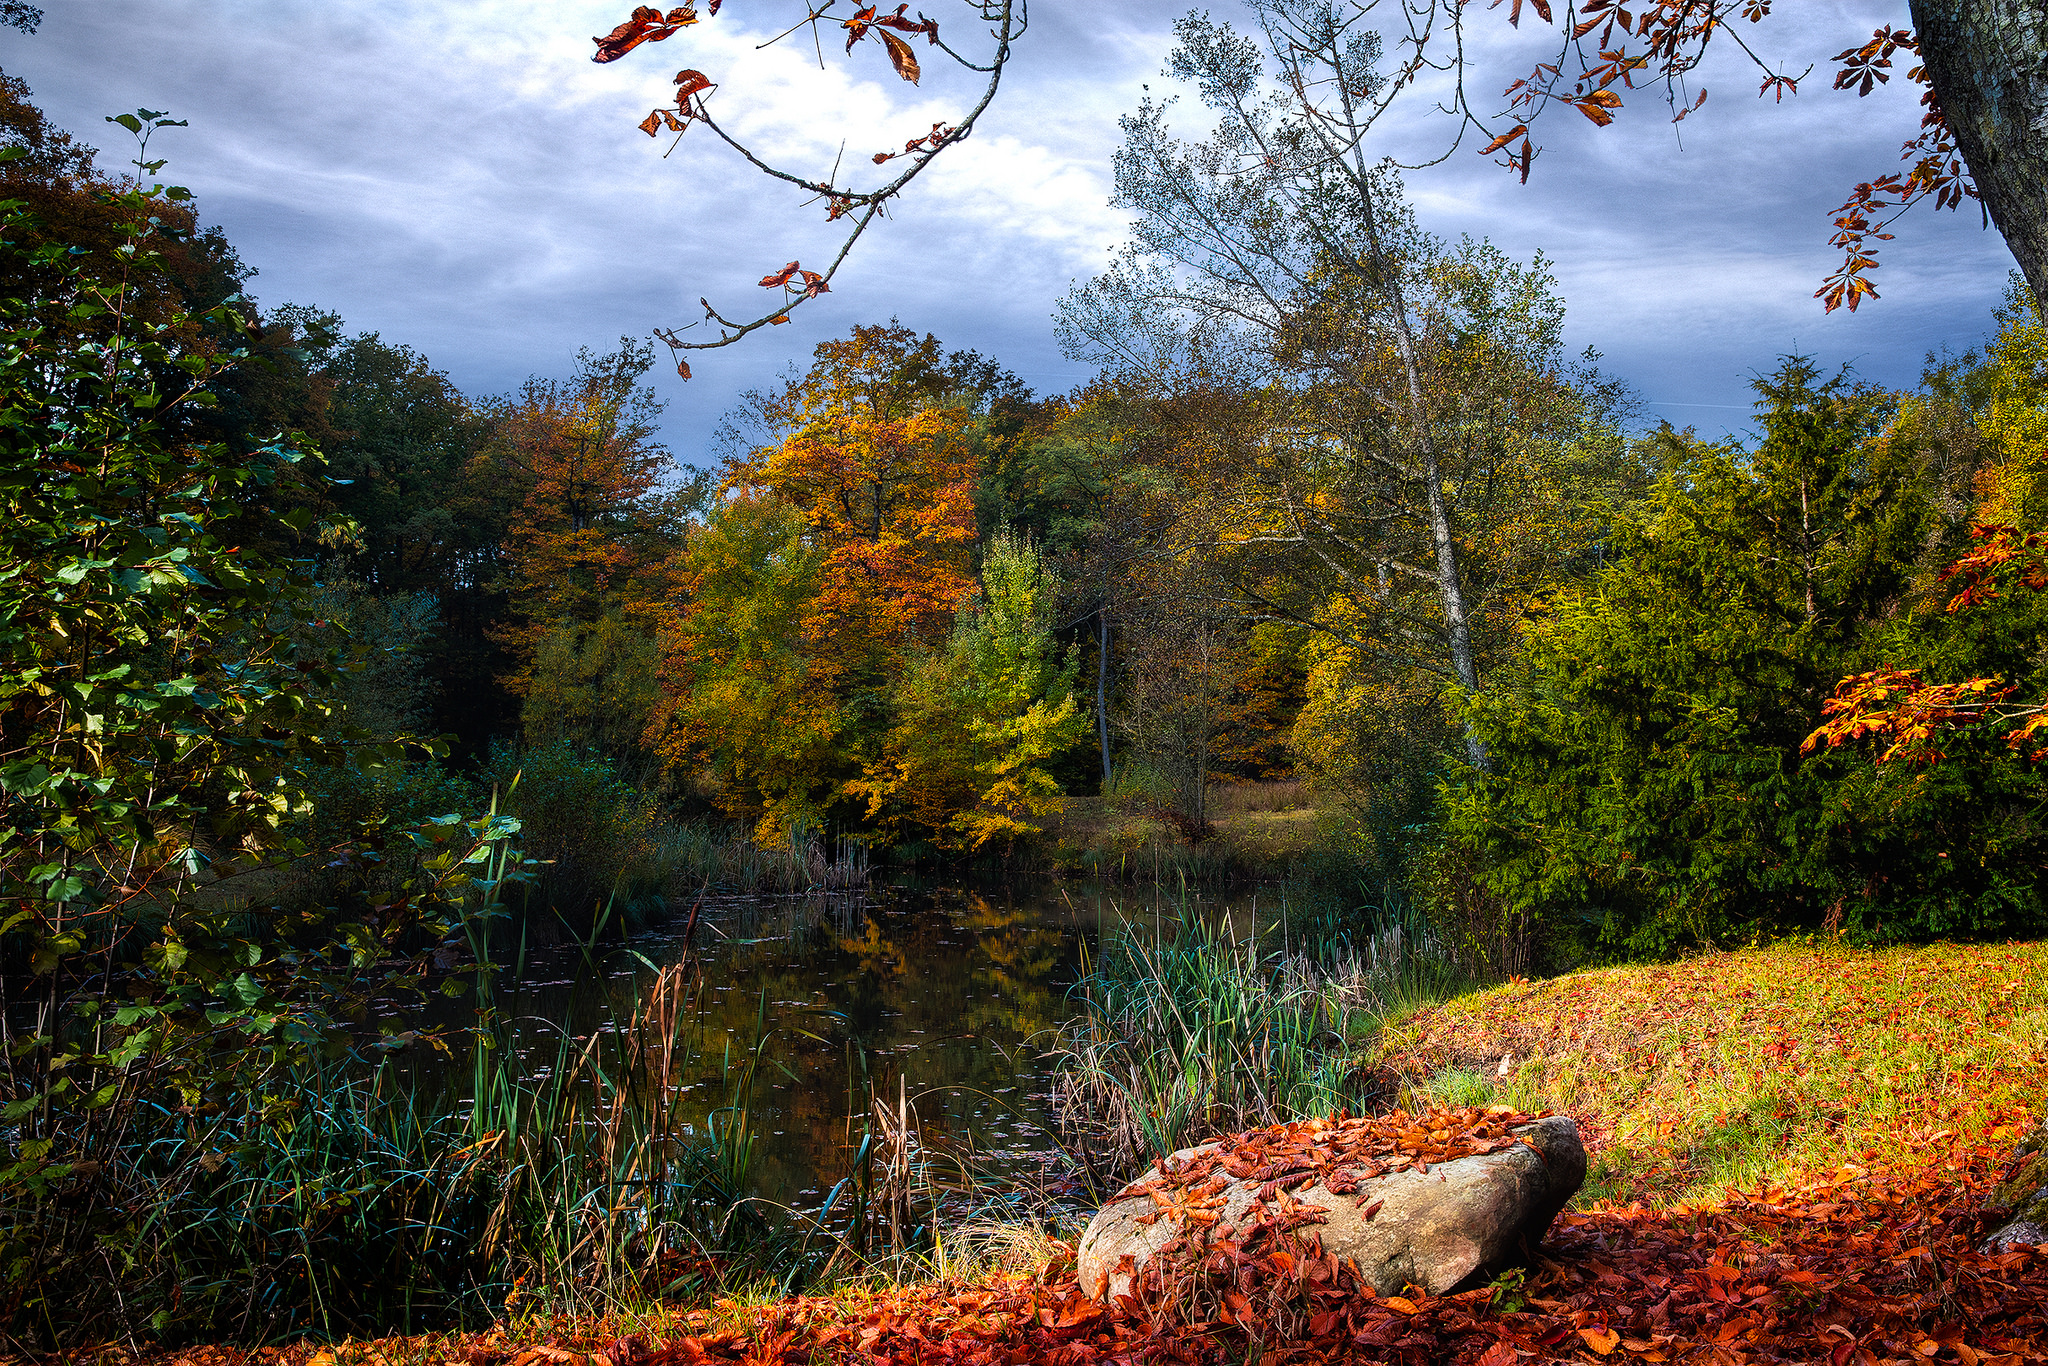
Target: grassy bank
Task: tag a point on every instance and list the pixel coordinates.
(1698, 1078)
(1791, 1149)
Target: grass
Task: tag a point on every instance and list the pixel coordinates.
(1696, 1079)
(338, 1199)
(1189, 1031)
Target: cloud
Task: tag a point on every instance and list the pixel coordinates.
(460, 177)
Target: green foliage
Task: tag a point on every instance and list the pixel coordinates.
(165, 692)
(982, 722)
(594, 684)
(586, 830)
(1648, 783)
(742, 701)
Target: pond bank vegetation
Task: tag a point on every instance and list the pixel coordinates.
(1842, 1186)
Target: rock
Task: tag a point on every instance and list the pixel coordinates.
(2019, 1233)
(1398, 1222)
(2022, 1197)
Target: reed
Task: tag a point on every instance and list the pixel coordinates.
(1188, 1031)
(351, 1197)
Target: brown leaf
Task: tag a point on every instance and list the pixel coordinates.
(1504, 139)
(647, 25)
(900, 55)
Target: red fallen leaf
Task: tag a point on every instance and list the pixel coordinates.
(780, 277)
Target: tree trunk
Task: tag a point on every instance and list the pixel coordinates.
(1450, 587)
(1102, 690)
(1988, 63)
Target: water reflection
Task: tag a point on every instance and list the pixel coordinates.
(944, 991)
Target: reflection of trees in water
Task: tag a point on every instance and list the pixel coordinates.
(943, 995)
(1018, 963)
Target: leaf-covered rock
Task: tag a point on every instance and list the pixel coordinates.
(1427, 1201)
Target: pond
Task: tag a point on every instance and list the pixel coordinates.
(948, 994)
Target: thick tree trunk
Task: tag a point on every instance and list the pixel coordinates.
(1988, 62)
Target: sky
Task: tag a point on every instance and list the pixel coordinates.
(462, 179)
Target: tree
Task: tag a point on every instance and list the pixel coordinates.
(1650, 774)
(795, 286)
(744, 701)
(1367, 389)
(1987, 639)
(876, 456)
(981, 722)
(839, 550)
(589, 538)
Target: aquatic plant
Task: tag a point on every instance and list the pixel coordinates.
(1188, 1031)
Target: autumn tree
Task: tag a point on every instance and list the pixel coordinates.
(863, 476)
(1380, 405)
(587, 547)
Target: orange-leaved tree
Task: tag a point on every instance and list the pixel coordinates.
(841, 546)
(882, 467)
(589, 540)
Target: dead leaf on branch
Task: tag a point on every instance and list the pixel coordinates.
(647, 25)
(867, 21)
(901, 57)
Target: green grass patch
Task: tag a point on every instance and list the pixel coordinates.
(1696, 1078)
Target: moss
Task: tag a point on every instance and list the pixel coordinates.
(2023, 1196)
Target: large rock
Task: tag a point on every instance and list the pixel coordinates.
(2021, 1199)
(1398, 1221)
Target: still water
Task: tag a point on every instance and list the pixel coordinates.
(951, 994)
